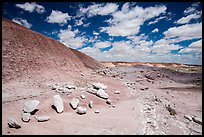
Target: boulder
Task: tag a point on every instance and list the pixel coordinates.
(58, 103)
(30, 106)
(197, 120)
(99, 86)
(117, 92)
(188, 117)
(102, 94)
(13, 123)
(91, 104)
(74, 103)
(42, 118)
(108, 101)
(26, 117)
(81, 110)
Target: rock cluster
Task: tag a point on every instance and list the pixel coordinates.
(194, 119)
(31, 106)
(63, 88)
(98, 89)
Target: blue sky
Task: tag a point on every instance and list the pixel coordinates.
(118, 31)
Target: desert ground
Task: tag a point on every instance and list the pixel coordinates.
(139, 109)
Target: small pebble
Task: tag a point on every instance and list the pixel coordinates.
(97, 111)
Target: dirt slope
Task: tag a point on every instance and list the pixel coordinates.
(25, 52)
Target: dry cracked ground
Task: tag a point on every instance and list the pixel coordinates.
(152, 100)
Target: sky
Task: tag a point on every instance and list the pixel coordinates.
(118, 31)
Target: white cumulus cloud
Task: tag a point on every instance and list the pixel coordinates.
(184, 32)
(156, 20)
(127, 51)
(192, 9)
(195, 47)
(58, 17)
(102, 44)
(31, 7)
(69, 38)
(22, 22)
(128, 22)
(188, 18)
(163, 46)
(99, 9)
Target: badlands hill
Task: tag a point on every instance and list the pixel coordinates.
(25, 52)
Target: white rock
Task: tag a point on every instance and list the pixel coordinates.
(99, 86)
(60, 89)
(108, 101)
(83, 96)
(66, 91)
(81, 110)
(188, 117)
(92, 91)
(117, 92)
(58, 103)
(91, 104)
(30, 106)
(101, 93)
(70, 86)
(55, 86)
(74, 103)
(42, 118)
(97, 111)
(118, 98)
(113, 106)
(26, 117)
(13, 123)
(197, 120)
